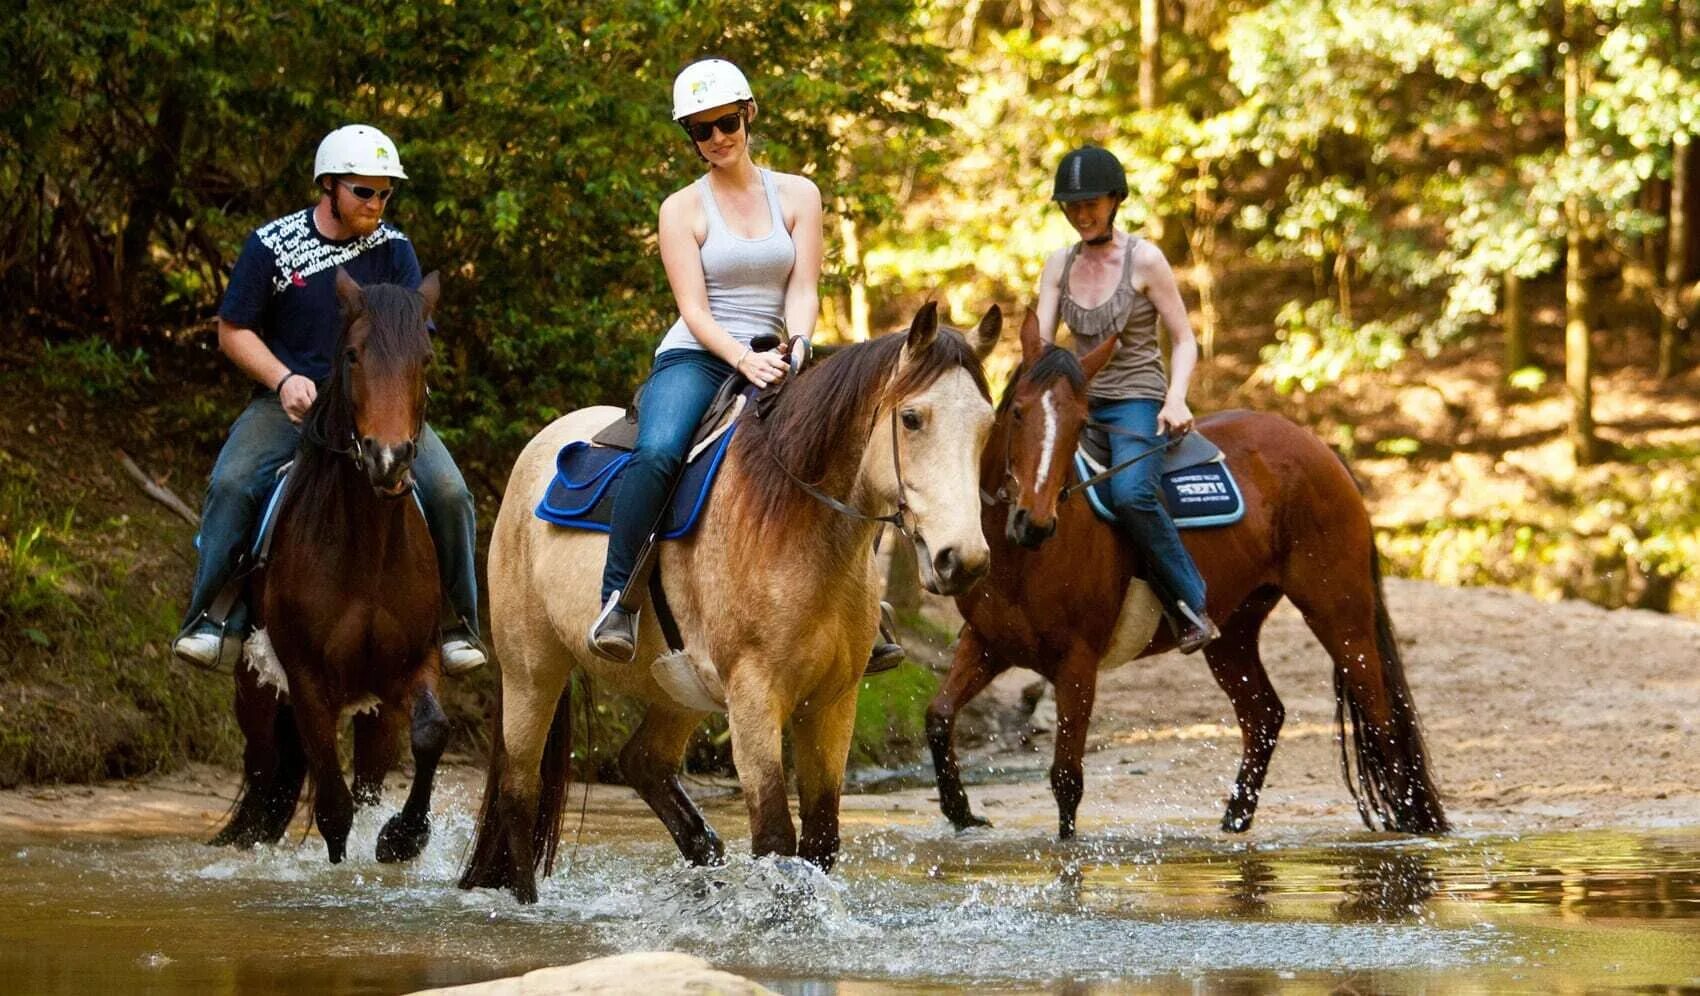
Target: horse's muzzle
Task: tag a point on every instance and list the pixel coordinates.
(389, 468)
(950, 573)
(1023, 531)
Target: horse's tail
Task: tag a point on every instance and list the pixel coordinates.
(492, 864)
(1386, 769)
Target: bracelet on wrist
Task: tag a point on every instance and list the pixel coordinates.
(740, 364)
(278, 390)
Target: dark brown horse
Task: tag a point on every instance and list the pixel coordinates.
(1063, 604)
(349, 597)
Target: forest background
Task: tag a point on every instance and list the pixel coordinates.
(1454, 239)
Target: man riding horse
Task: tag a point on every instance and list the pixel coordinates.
(279, 323)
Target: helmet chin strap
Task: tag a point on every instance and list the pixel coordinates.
(1109, 229)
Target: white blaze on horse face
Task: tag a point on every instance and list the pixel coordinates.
(1050, 445)
(941, 472)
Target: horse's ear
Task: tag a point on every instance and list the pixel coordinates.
(923, 329)
(1031, 346)
(1094, 361)
(349, 295)
(985, 337)
(431, 288)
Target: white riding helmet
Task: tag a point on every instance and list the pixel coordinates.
(360, 149)
(705, 84)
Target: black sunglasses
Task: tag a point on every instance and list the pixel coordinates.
(728, 124)
(367, 193)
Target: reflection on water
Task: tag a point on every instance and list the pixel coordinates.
(913, 906)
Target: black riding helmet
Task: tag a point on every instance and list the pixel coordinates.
(1087, 172)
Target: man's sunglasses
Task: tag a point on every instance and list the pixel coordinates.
(728, 124)
(366, 193)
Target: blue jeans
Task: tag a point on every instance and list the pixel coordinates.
(681, 385)
(1139, 510)
(263, 439)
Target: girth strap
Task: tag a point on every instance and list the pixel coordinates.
(664, 612)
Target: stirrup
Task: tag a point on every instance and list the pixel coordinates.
(1200, 630)
(613, 635)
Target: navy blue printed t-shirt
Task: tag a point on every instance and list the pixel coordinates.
(284, 285)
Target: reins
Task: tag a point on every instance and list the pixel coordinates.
(1002, 495)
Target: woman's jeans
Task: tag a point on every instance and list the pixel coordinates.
(262, 440)
(681, 385)
(1139, 510)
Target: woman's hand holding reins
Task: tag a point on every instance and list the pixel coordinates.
(1175, 418)
(763, 369)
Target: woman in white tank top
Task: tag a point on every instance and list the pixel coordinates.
(742, 250)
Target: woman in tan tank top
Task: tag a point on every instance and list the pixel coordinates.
(1111, 283)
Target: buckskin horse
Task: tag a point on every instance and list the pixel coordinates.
(775, 595)
(1060, 599)
(349, 597)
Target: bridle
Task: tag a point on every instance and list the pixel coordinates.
(1004, 495)
(898, 519)
(355, 450)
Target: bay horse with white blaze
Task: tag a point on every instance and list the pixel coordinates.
(1063, 597)
(775, 594)
(349, 597)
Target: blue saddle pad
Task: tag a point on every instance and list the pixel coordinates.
(1204, 494)
(581, 495)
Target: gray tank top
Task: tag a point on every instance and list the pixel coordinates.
(746, 278)
(1136, 371)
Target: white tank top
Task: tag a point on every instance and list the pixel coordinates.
(746, 278)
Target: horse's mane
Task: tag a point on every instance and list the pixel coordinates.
(1054, 363)
(395, 338)
(830, 407)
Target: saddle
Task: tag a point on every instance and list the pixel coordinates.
(581, 494)
(1197, 487)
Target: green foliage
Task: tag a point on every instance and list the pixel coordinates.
(891, 715)
(92, 366)
(1314, 346)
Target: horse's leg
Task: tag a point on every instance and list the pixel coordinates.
(821, 745)
(291, 772)
(1076, 688)
(970, 673)
(756, 720)
(1238, 667)
(333, 805)
(406, 833)
(530, 697)
(650, 765)
(256, 715)
(377, 744)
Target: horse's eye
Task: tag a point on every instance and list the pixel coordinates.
(1017, 414)
(912, 420)
(351, 356)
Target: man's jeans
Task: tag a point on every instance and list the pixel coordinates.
(1139, 510)
(262, 440)
(681, 385)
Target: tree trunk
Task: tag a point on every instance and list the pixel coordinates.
(1202, 241)
(1515, 321)
(1673, 320)
(149, 200)
(1578, 344)
(1151, 95)
(1150, 54)
(856, 275)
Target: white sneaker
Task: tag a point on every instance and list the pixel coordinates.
(203, 648)
(461, 655)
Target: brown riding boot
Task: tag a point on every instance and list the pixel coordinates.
(1193, 631)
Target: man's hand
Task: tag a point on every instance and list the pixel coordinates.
(297, 395)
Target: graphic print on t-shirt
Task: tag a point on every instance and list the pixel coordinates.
(300, 252)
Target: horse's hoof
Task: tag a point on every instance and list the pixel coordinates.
(706, 850)
(1065, 832)
(1234, 821)
(402, 839)
(525, 893)
(968, 822)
